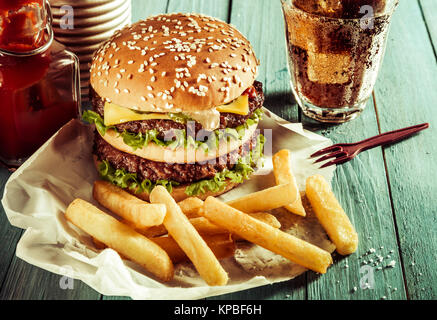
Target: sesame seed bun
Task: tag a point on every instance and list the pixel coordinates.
(173, 63)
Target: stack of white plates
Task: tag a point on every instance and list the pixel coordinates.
(82, 26)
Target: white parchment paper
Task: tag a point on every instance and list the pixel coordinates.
(37, 194)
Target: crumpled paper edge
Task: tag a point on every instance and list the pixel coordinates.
(128, 280)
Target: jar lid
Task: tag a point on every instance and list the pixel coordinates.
(25, 30)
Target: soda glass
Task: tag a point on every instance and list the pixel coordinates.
(335, 49)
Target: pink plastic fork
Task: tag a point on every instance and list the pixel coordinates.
(343, 152)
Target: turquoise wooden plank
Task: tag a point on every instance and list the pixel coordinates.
(262, 23)
(361, 187)
(9, 235)
(35, 283)
(142, 9)
(27, 282)
(406, 94)
(288, 290)
(20, 280)
(214, 8)
(429, 11)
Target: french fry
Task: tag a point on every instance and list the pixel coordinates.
(266, 218)
(191, 207)
(127, 206)
(206, 227)
(120, 237)
(264, 235)
(267, 199)
(154, 231)
(221, 245)
(180, 228)
(283, 174)
(149, 232)
(331, 215)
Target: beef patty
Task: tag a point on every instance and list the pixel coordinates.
(183, 173)
(227, 120)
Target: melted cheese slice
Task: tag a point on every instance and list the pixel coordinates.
(238, 106)
(114, 114)
(210, 119)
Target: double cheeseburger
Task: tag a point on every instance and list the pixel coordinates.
(175, 103)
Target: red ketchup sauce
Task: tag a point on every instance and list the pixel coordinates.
(251, 92)
(31, 109)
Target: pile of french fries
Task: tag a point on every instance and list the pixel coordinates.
(161, 233)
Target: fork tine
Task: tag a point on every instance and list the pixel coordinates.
(336, 161)
(326, 150)
(330, 155)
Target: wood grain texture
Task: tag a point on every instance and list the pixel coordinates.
(361, 188)
(264, 27)
(262, 23)
(429, 12)
(20, 280)
(9, 235)
(406, 94)
(27, 282)
(142, 9)
(217, 8)
(388, 193)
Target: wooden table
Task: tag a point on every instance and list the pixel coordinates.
(389, 193)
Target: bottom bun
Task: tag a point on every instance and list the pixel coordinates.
(178, 192)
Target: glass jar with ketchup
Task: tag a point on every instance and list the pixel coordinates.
(39, 80)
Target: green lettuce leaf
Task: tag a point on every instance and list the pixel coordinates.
(241, 171)
(123, 179)
(94, 118)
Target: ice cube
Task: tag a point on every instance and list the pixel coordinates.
(329, 68)
(343, 8)
(301, 29)
(328, 8)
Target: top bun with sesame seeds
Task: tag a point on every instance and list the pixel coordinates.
(174, 63)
